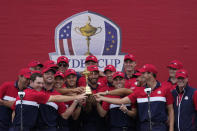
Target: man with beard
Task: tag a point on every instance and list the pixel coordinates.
(91, 121)
(92, 60)
(185, 104)
(160, 99)
(48, 112)
(121, 116)
(8, 94)
(172, 80)
(129, 69)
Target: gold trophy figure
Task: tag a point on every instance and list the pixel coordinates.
(88, 31)
(87, 88)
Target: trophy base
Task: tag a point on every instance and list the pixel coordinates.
(88, 53)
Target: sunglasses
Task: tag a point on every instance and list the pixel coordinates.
(62, 64)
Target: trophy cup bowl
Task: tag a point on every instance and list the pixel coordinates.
(88, 31)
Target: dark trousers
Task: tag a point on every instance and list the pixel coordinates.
(4, 129)
(155, 127)
(18, 128)
(63, 129)
(47, 129)
(121, 129)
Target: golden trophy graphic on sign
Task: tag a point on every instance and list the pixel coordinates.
(88, 31)
(87, 88)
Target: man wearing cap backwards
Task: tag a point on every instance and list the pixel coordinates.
(49, 111)
(91, 121)
(8, 94)
(92, 60)
(129, 69)
(160, 99)
(185, 103)
(119, 115)
(62, 63)
(35, 65)
(33, 97)
(172, 80)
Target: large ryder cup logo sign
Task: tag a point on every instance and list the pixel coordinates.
(88, 33)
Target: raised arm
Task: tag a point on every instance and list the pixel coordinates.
(65, 91)
(62, 98)
(118, 101)
(117, 92)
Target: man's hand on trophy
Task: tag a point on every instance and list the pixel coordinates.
(79, 90)
(98, 97)
(81, 97)
(92, 100)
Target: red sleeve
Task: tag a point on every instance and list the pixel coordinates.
(3, 89)
(169, 97)
(61, 107)
(132, 97)
(13, 106)
(195, 100)
(105, 106)
(41, 97)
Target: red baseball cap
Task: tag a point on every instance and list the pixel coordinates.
(118, 74)
(129, 57)
(58, 73)
(36, 71)
(91, 58)
(35, 63)
(110, 68)
(50, 63)
(148, 68)
(47, 69)
(62, 59)
(69, 72)
(26, 72)
(182, 73)
(175, 64)
(137, 74)
(92, 68)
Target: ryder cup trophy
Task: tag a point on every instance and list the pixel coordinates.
(87, 88)
(88, 31)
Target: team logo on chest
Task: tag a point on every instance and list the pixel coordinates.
(159, 92)
(186, 98)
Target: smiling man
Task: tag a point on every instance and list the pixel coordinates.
(185, 104)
